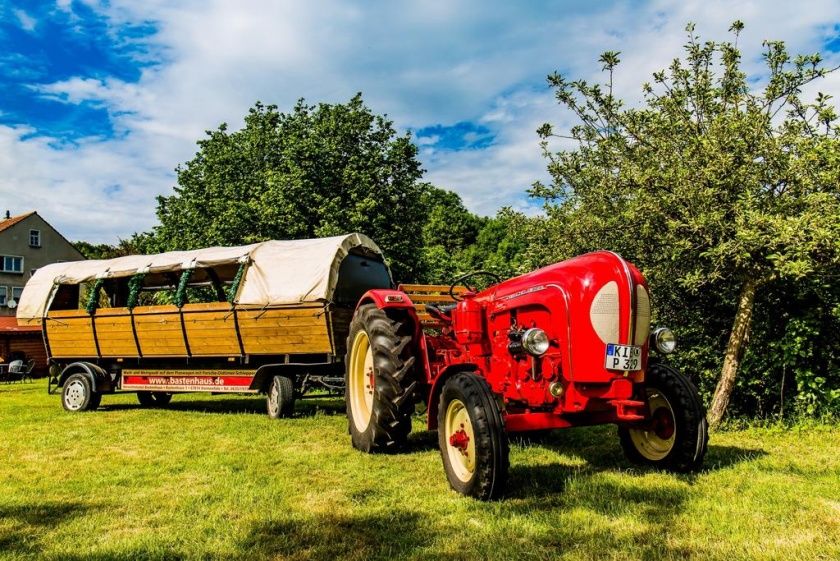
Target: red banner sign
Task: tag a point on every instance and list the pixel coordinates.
(216, 381)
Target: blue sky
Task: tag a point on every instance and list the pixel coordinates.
(100, 100)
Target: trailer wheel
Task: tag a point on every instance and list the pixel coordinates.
(379, 378)
(472, 438)
(78, 394)
(154, 399)
(162, 399)
(676, 437)
(280, 401)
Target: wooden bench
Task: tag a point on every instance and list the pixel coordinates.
(435, 294)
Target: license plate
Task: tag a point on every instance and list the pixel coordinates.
(623, 357)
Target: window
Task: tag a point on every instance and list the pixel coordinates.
(34, 238)
(12, 264)
(2, 295)
(16, 292)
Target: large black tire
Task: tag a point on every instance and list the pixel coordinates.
(380, 379)
(78, 394)
(154, 399)
(677, 436)
(472, 438)
(280, 399)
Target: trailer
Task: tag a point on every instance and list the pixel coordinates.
(271, 317)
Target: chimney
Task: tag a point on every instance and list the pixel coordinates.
(8, 215)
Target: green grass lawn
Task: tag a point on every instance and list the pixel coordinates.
(214, 478)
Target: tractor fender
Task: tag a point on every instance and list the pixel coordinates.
(98, 377)
(437, 387)
(385, 298)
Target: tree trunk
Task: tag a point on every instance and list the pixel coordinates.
(735, 348)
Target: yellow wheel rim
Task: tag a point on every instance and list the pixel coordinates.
(361, 381)
(460, 440)
(656, 441)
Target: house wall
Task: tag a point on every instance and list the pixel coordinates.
(31, 345)
(14, 241)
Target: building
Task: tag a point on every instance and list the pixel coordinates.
(27, 242)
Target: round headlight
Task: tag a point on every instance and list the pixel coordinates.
(664, 340)
(535, 341)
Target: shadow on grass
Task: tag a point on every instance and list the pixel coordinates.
(390, 535)
(632, 521)
(24, 524)
(237, 405)
(599, 447)
(421, 441)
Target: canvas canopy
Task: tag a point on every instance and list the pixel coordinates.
(278, 272)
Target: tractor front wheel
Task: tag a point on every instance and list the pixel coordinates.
(675, 437)
(472, 438)
(380, 378)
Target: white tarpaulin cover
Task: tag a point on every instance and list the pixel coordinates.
(279, 272)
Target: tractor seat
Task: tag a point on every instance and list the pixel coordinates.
(443, 313)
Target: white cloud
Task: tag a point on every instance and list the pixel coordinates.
(422, 63)
(26, 21)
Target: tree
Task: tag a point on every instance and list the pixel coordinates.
(107, 251)
(450, 229)
(709, 184)
(456, 241)
(317, 171)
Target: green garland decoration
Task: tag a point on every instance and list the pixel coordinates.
(135, 284)
(234, 286)
(181, 293)
(93, 296)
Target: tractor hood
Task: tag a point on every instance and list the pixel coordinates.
(592, 300)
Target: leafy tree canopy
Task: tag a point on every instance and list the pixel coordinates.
(709, 184)
(319, 170)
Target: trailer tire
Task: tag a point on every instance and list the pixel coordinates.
(154, 399)
(677, 437)
(280, 400)
(471, 436)
(380, 378)
(78, 394)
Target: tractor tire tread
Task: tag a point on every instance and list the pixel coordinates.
(391, 336)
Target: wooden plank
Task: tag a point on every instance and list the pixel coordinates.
(312, 330)
(103, 312)
(72, 337)
(211, 329)
(67, 314)
(207, 307)
(160, 335)
(321, 347)
(114, 333)
(155, 310)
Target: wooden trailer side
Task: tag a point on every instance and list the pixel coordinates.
(70, 334)
(196, 330)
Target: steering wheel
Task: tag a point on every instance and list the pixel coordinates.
(470, 275)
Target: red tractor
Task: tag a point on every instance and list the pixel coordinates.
(564, 346)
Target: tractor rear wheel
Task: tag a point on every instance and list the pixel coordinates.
(380, 378)
(472, 438)
(677, 434)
